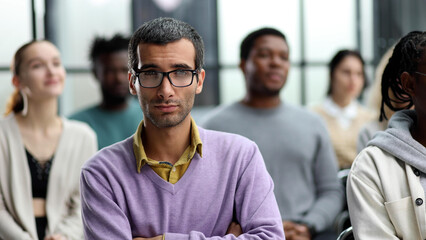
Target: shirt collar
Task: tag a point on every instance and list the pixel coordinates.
(139, 151)
(348, 112)
(344, 116)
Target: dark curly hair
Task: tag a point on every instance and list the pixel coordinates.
(103, 45)
(248, 42)
(405, 58)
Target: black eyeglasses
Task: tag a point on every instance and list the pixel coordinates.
(423, 74)
(178, 78)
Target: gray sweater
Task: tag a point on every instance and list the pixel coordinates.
(298, 155)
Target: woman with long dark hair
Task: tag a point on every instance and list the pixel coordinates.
(342, 113)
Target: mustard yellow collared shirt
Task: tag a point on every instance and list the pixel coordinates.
(167, 171)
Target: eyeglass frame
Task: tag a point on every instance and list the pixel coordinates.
(167, 74)
(423, 74)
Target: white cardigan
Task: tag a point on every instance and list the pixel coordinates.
(76, 145)
(385, 197)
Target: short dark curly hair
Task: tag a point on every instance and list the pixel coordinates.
(248, 42)
(102, 45)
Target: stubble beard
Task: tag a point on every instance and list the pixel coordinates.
(259, 88)
(266, 92)
(168, 120)
(112, 99)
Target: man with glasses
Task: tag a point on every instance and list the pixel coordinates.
(172, 179)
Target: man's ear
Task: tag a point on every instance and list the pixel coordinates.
(132, 81)
(407, 83)
(201, 76)
(242, 65)
(94, 73)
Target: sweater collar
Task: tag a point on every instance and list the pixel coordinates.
(141, 159)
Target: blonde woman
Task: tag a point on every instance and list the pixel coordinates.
(374, 101)
(40, 152)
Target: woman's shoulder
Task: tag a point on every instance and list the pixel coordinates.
(8, 119)
(365, 112)
(318, 106)
(373, 161)
(77, 127)
(319, 110)
(8, 123)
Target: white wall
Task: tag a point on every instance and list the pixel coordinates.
(80, 21)
(329, 26)
(15, 29)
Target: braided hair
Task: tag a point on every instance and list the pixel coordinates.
(405, 58)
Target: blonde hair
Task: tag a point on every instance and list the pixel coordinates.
(374, 99)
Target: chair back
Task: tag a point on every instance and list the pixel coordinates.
(342, 220)
(347, 234)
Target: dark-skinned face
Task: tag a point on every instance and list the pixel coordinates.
(111, 71)
(267, 65)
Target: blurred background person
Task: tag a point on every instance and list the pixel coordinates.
(374, 102)
(118, 114)
(343, 114)
(387, 181)
(221, 28)
(41, 153)
(293, 141)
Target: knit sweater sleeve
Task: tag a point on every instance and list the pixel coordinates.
(98, 207)
(256, 207)
(329, 192)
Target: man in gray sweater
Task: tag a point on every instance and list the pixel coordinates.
(294, 142)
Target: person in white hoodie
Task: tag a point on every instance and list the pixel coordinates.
(387, 182)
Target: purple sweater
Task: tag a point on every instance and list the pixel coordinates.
(229, 182)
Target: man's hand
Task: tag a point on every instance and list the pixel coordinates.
(159, 237)
(234, 228)
(295, 231)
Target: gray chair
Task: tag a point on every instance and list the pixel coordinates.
(347, 234)
(342, 220)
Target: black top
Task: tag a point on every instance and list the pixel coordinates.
(39, 179)
(39, 175)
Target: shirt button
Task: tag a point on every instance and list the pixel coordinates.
(174, 169)
(419, 201)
